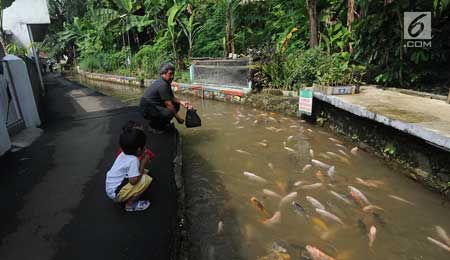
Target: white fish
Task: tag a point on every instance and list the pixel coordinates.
(262, 144)
(307, 167)
(278, 130)
(320, 164)
(220, 227)
(311, 153)
(294, 126)
(236, 123)
(240, 127)
(333, 154)
(271, 118)
(255, 177)
(290, 138)
(243, 152)
(316, 254)
(331, 172)
(255, 122)
(270, 166)
(334, 140)
(341, 146)
(372, 235)
(359, 194)
(439, 244)
(340, 196)
(371, 208)
(402, 200)
(311, 186)
(276, 218)
(329, 215)
(443, 234)
(354, 151)
(288, 198)
(289, 149)
(298, 183)
(271, 193)
(309, 130)
(315, 202)
(343, 153)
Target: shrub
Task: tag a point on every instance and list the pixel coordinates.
(148, 60)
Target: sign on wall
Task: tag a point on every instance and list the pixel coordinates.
(305, 101)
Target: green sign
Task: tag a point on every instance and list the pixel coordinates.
(305, 100)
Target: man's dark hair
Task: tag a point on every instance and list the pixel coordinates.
(131, 139)
(166, 67)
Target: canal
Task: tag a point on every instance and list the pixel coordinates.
(261, 185)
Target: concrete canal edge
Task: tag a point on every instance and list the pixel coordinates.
(424, 162)
(181, 234)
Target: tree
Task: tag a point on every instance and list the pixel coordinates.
(190, 29)
(312, 13)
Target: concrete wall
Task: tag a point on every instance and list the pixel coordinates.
(5, 143)
(20, 14)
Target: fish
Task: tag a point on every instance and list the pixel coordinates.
(307, 167)
(243, 152)
(368, 183)
(340, 196)
(311, 153)
(259, 206)
(320, 176)
(316, 254)
(329, 215)
(354, 151)
(298, 183)
(377, 217)
(220, 227)
(278, 130)
(319, 223)
(372, 235)
(276, 218)
(311, 186)
(236, 123)
(401, 199)
(299, 208)
(333, 154)
(271, 118)
(341, 146)
(271, 193)
(371, 208)
(439, 244)
(255, 177)
(443, 234)
(315, 202)
(270, 166)
(271, 128)
(343, 153)
(334, 140)
(331, 172)
(325, 156)
(320, 164)
(288, 198)
(289, 149)
(240, 127)
(294, 126)
(262, 144)
(309, 130)
(255, 122)
(290, 138)
(281, 185)
(358, 195)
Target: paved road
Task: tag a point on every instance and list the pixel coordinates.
(53, 200)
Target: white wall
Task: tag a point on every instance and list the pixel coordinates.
(23, 12)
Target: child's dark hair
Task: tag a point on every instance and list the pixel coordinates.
(132, 124)
(131, 139)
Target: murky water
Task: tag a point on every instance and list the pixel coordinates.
(223, 223)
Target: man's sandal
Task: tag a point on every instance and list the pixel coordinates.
(138, 206)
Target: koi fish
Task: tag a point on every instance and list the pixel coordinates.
(270, 166)
(372, 235)
(298, 183)
(315, 202)
(329, 215)
(236, 123)
(220, 227)
(316, 254)
(343, 153)
(309, 130)
(320, 164)
(368, 183)
(341, 146)
(299, 208)
(311, 186)
(439, 244)
(243, 152)
(320, 176)
(331, 172)
(276, 218)
(307, 167)
(341, 197)
(402, 200)
(311, 153)
(443, 234)
(334, 140)
(358, 195)
(271, 193)
(262, 144)
(290, 138)
(354, 151)
(371, 208)
(294, 126)
(259, 206)
(289, 149)
(319, 223)
(255, 177)
(288, 198)
(333, 154)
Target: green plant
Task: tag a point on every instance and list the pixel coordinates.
(15, 49)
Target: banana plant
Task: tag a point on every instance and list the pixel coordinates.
(190, 29)
(172, 30)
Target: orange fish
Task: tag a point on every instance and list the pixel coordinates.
(320, 176)
(357, 199)
(319, 223)
(316, 254)
(259, 206)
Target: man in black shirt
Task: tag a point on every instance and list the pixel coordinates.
(158, 104)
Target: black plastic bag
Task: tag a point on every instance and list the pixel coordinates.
(192, 118)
